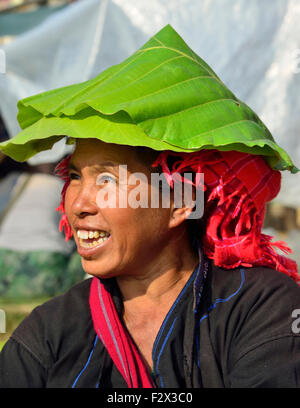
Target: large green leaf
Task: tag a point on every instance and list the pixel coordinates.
(164, 97)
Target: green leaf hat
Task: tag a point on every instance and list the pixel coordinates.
(164, 97)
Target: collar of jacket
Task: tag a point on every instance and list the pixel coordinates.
(200, 274)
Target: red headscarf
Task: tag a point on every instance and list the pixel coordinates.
(237, 187)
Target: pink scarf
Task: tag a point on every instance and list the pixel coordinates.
(116, 339)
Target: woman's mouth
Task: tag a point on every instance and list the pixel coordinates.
(91, 239)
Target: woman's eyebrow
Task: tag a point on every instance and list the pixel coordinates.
(72, 166)
(106, 164)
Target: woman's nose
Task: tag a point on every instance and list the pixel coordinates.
(84, 202)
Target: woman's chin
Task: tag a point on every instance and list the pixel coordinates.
(98, 269)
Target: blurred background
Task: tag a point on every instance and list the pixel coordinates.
(254, 46)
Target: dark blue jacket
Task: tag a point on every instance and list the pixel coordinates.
(227, 328)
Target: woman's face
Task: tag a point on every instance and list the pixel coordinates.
(113, 241)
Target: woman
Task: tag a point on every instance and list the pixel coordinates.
(175, 301)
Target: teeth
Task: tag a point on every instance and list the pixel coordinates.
(82, 234)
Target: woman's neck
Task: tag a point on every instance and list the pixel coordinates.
(162, 280)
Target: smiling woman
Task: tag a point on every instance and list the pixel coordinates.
(177, 297)
(131, 236)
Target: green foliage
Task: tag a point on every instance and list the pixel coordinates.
(37, 273)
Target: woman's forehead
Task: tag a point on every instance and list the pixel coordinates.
(90, 152)
(94, 148)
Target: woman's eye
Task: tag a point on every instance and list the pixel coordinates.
(74, 176)
(105, 179)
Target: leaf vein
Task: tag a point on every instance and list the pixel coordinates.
(196, 106)
(211, 73)
(224, 126)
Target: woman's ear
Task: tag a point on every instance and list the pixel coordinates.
(179, 215)
(181, 212)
